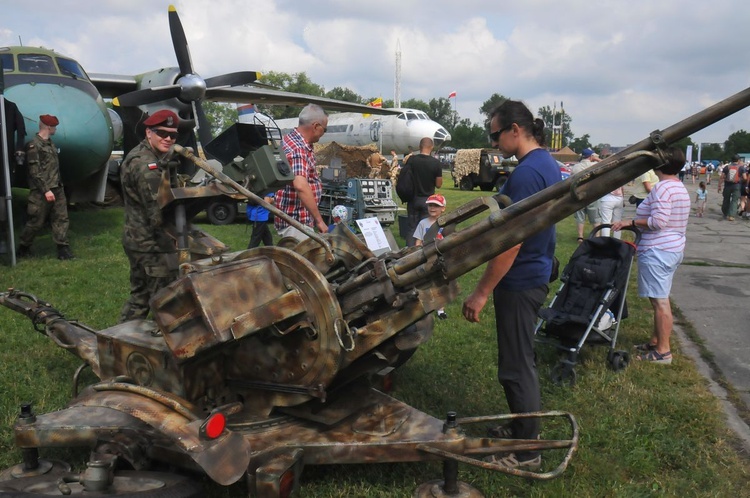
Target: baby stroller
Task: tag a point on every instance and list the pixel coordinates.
(590, 299)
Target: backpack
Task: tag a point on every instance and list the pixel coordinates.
(734, 175)
(405, 188)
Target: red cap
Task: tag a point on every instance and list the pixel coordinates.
(49, 120)
(436, 199)
(164, 117)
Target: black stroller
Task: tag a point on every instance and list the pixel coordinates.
(590, 299)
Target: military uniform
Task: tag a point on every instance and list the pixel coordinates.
(44, 176)
(150, 250)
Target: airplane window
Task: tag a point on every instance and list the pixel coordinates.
(36, 63)
(411, 116)
(70, 67)
(422, 115)
(402, 116)
(8, 64)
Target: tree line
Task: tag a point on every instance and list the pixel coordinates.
(465, 134)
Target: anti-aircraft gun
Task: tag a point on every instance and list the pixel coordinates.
(259, 362)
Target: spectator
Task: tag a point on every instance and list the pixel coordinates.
(518, 278)
(427, 174)
(300, 199)
(259, 217)
(643, 185)
(611, 207)
(663, 219)
(588, 159)
(700, 199)
(435, 207)
(732, 179)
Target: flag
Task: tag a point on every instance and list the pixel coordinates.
(378, 102)
(452, 95)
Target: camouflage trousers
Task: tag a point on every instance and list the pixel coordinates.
(149, 273)
(39, 209)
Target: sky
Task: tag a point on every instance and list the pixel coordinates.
(620, 68)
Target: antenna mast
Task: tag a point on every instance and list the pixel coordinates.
(397, 82)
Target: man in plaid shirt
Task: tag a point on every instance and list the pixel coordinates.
(300, 199)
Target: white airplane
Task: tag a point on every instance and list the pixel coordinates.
(400, 132)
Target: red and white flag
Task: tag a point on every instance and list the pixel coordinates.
(452, 95)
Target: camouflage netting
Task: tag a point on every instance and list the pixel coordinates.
(356, 160)
(467, 162)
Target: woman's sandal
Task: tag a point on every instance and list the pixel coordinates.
(645, 347)
(656, 357)
(580, 239)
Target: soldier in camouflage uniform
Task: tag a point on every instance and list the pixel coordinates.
(152, 252)
(46, 193)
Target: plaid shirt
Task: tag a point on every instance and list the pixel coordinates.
(301, 158)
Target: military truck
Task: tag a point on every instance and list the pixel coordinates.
(483, 168)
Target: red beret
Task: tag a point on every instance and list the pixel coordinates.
(49, 120)
(163, 118)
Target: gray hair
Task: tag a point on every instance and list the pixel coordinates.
(312, 113)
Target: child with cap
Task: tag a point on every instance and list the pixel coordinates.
(435, 207)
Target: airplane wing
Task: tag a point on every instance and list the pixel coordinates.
(112, 85)
(250, 95)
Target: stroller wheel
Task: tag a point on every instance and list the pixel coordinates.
(563, 373)
(618, 360)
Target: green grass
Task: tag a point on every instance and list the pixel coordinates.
(645, 431)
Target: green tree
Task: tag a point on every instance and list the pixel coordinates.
(739, 141)
(345, 94)
(468, 135)
(298, 83)
(220, 115)
(442, 112)
(580, 143)
(683, 145)
(490, 104)
(712, 151)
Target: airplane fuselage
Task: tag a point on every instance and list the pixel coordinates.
(401, 132)
(40, 81)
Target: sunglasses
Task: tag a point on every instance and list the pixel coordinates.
(165, 134)
(495, 135)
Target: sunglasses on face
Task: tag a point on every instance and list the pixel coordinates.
(165, 134)
(495, 135)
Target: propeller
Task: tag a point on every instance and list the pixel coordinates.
(189, 86)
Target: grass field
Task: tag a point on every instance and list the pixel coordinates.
(646, 431)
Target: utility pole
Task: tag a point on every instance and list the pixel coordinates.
(397, 80)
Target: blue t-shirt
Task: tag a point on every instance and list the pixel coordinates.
(532, 267)
(256, 212)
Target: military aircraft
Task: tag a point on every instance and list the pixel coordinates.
(400, 132)
(41, 81)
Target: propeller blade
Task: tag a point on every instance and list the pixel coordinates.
(204, 127)
(147, 96)
(233, 79)
(179, 40)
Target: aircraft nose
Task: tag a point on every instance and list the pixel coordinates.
(440, 137)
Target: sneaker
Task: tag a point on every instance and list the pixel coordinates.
(442, 314)
(656, 357)
(501, 431)
(63, 253)
(510, 461)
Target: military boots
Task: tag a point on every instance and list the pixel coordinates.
(63, 253)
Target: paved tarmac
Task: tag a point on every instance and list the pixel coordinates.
(711, 289)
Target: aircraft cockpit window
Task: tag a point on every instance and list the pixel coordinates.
(70, 68)
(402, 116)
(422, 115)
(411, 116)
(8, 64)
(36, 63)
